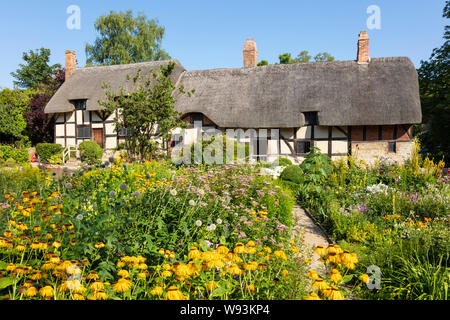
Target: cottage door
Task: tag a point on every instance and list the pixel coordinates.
(98, 136)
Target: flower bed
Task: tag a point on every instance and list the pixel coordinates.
(151, 232)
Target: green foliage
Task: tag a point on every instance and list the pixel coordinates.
(13, 103)
(36, 70)
(147, 113)
(316, 165)
(434, 77)
(55, 159)
(17, 155)
(90, 152)
(20, 178)
(293, 173)
(304, 57)
(284, 162)
(125, 39)
(47, 150)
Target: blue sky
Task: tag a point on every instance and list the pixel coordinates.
(207, 34)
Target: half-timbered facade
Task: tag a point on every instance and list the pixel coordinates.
(365, 107)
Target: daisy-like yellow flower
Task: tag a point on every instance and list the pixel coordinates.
(101, 295)
(284, 273)
(294, 249)
(47, 266)
(157, 291)
(92, 276)
(365, 278)
(47, 292)
(122, 285)
(222, 249)
(120, 264)
(252, 265)
(210, 286)
(320, 250)
(239, 248)
(123, 273)
(56, 244)
(234, 270)
(96, 286)
(251, 243)
(335, 276)
(173, 293)
(250, 250)
(20, 247)
(267, 249)
(194, 254)
(312, 274)
(166, 274)
(280, 254)
(312, 296)
(251, 288)
(99, 245)
(346, 257)
(319, 284)
(335, 294)
(77, 296)
(31, 291)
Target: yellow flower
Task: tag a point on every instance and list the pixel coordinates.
(120, 264)
(251, 243)
(161, 251)
(312, 296)
(194, 254)
(312, 274)
(320, 250)
(284, 273)
(331, 249)
(166, 273)
(319, 284)
(365, 278)
(267, 249)
(239, 248)
(210, 286)
(92, 276)
(123, 274)
(96, 286)
(122, 285)
(234, 270)
(335, 294)
(101, 295)
(346, 257)
(333, 258)
(157, 291)
(174, 294)
(222, 249)
(251, 288)
(77, 296)
(99, 245)
(335, 276)
(294, 249)
(56, 244)
(31, 292)
(142, 275)
(350, 266)
(142, 266)
(280, 254)
(20, 247)
(47, 292)
(250, 250)
(48, 266)
(252, 265)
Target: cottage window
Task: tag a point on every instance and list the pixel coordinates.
(311, 118)
(303, 147)
(392, 147)
(84, 132)
(80, 104)
(123, 132)
(196, 117)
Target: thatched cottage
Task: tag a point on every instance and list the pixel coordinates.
(364, 107)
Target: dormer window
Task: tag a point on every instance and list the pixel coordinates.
(196, 117)
(80, 104)
(311, 118)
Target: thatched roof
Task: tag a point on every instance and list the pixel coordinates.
(384, 91)
(87, 83)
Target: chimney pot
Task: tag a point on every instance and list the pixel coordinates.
(363, 47)
(250, 53)
(71, 62)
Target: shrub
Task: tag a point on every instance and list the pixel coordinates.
(18, 155)
(284, 162)
(46, 150)
(10, 162)
(90, 152)
(292, 173)
(55, 159)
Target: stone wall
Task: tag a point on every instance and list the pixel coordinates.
(370, 151)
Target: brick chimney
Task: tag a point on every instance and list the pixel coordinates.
(71, 62)
(363, 47)
(250, 53)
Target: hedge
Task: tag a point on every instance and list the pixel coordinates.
(46, 150)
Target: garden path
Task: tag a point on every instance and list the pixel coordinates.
(312, 235)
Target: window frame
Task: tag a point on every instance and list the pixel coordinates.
(296, 147)
(76, 103)
(392, 147)
(84, 127)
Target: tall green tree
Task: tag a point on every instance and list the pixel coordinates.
(147, 112)
(36, 69)
(124, 39)
(434, 83)
(13, 103)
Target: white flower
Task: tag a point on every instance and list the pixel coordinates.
(219, 221)
(79, 217)
(173, 192)
(201, 192)
(198, 223)
(212, 227)
(192, 203)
